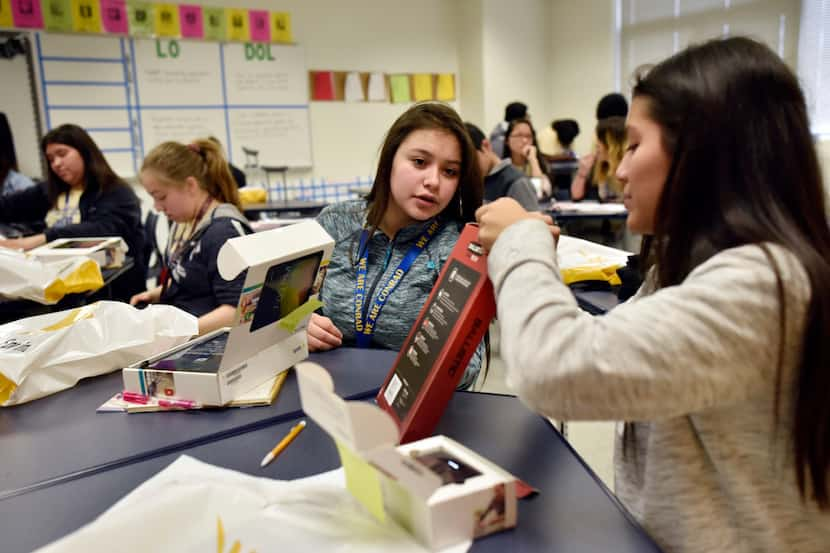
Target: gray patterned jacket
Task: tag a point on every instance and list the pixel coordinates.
(344, 221)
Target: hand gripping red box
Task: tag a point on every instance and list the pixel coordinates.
(441, 342)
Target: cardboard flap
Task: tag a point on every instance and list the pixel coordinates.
(363, 427)
(81, 246)
(359, 425)
(255, 249)
(411, 474)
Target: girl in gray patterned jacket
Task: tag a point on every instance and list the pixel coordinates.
(721, 363)
(426, 187)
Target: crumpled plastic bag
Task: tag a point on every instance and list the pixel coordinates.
(49, 353)
(25, 277)
(193, 507)
(251, 195)
(584, 260)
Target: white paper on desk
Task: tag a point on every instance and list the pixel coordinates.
(575, 252)
(590, 208)
(195, 507)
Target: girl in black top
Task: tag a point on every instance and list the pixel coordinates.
(82, 197)
(192, 186)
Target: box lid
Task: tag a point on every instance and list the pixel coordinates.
(280, 289)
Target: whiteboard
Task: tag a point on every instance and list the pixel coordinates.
(84, 80)
(132, 94)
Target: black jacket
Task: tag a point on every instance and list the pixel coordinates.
(116, 212)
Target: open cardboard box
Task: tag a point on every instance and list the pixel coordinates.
(107, 251)
(285, 270)
(441, 492)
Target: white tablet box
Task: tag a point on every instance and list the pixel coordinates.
(285, 270)
(438, 490)
(107, 251)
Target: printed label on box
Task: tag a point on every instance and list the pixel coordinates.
(422, 350)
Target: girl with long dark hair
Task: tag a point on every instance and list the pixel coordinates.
(721, 363)
(82, 197)
(426, 187)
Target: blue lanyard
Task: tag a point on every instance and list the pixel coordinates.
(365, 329)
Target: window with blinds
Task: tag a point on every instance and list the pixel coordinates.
(651, 30)
(814, 63)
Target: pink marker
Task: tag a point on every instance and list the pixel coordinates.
(134, 397)
(178, 403)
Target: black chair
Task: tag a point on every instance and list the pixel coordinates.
(561, 171)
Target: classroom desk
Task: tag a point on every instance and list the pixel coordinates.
(61, 437)
(574, 511)
(305, 208)
(596, 302)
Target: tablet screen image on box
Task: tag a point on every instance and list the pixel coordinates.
(203, 356)
(79, 244)
(446, 466)
(286, 287)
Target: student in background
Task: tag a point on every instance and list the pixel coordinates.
(563, 161)
(82, 197)
(513, 111)
(501, 178)
(520, 148)
(192, 186)
(610, 105)
(237, 173)
(720, 362)
(426, 187)
(10, 180)
(610, 148)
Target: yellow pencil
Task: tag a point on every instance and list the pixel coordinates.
(293, 433)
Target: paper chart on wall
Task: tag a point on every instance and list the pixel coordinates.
(268, 103)
(79, 89)
(354, 88)
(131, 94)
(377, 87)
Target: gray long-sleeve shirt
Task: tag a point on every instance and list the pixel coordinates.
(696, 363)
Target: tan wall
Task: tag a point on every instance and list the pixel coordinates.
(581, 62)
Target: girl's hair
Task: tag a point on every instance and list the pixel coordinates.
(566, 131)
(202, 159)
(508, 154)
(611, 133)
(430, 116)
(8, 158)
(744, 171)
(98, 175)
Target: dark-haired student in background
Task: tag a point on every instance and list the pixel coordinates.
(501, 178)
(82, 197)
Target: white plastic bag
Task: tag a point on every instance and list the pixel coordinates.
(194, 507)
(49, 353)
(583, 260)
(26, 278)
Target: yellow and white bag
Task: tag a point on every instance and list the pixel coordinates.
(584, 260)
(23, 277)
(49, 353)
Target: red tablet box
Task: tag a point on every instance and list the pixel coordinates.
(444, 337)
